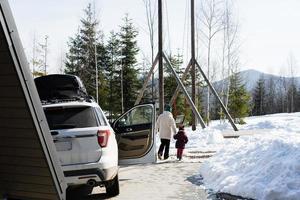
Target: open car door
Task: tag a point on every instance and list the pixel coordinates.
(135, 135)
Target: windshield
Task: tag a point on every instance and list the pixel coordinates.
(67, 118)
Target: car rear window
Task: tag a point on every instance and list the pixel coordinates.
(101, 117)
(68, 118)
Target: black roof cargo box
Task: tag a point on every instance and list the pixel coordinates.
(60, 86)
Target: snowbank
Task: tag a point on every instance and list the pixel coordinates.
(264, 166)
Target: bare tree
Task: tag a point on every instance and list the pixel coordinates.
(151, 19)
(61, 61)
(229, 48)
(33, 60)
(210, 18)
(231, 31)
(150, 6)
(45, 51)
(292, 65)
(37, 57)
(283, 85)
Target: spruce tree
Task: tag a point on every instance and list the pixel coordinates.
(216, 111)
(239, 99)
(128, 62)
(113, 74)
(271, 95)
(149, 95)
(180, 106)
(259, 97)
(80, 59)
(298, 101)
(291, 97)
(170, 83)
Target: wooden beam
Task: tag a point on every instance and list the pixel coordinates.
(185, 73)
(194, 109)
(217, 97)
(140, 96)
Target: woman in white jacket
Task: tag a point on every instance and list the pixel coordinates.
(166, 127)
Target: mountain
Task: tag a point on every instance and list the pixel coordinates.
(251, 76)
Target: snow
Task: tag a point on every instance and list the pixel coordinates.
(264, 165)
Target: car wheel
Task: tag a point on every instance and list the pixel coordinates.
(78, 192)
(112, 187)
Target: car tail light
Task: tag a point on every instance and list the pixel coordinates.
(103, 136)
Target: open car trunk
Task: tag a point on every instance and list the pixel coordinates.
(29, 168)
(58, 86)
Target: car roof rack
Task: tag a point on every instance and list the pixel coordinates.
(89, 99)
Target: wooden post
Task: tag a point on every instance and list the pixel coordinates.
(160, 58)
(193, 70)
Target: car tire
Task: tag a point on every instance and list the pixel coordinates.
(112, 187)
(78, 192)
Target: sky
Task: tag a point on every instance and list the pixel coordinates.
(268, 29)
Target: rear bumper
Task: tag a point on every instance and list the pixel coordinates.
(79, 177)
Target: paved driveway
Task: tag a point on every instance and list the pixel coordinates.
(160, 181)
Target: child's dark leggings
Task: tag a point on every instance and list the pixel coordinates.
(179, 153)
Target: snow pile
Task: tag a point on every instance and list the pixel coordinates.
(261, 166)
(215, 138)
(284, 121)
(203, 139)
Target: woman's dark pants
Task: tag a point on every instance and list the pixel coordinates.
(165, 144)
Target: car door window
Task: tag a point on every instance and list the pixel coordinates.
(137, 116)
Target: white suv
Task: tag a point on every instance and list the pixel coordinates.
(85, 143)
(88, 148)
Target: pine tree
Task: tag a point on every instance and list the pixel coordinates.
(216, 111)
(271, 95)
(259, 97)
(180, 106)
(148, 96)
(170, 83)
(129, 51)
(113, 74)
(298, 101)
(282, 93)
(103, 85)
(80, 59)
(239, 99)
(291, 97)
